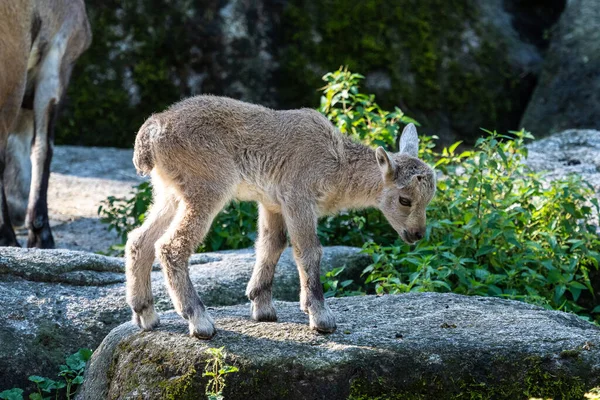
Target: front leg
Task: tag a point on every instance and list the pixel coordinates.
(301, 221)
(45, 110)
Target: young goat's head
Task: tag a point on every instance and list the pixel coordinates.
(408, 186)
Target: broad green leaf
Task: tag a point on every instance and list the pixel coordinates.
(36, 379)
(485, 250)
(12, 394)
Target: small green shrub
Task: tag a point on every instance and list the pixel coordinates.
(234, 227)
(124, 214)
(333, 287)
(216, 370)
(72, 376)
(498, 229)
(495, 227)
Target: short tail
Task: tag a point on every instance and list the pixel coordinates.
(143, 154)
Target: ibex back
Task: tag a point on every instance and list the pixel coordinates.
(205, 151)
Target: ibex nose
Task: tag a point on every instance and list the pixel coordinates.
(418, 234)
(414, 235)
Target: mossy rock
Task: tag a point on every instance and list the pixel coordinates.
(414, 346)
(455, 65)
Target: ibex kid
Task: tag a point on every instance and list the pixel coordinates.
(205, 151)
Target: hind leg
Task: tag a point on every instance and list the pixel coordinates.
(195, 214)
(270, 244)
(7, 234)
(8, 113)
(139, 255)
(14, 54)
(48, 93)
(17, 175)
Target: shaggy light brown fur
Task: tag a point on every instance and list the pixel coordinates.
(205, 151)
(40, 40)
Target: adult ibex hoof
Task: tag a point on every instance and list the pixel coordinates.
(7, 237)
(41, 239)
(9, 242)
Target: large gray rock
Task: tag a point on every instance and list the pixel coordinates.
(57, 301)
(419, 345)
(574, 151)
(568, 91)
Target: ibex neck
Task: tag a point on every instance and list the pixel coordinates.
(363, 182)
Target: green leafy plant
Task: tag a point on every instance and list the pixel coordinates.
(334, 287)
(123, 214)
(593, 394)
(495, 227)
(498, 229)
(216, 370)
(12, 394)
(72, 376)
(357, 114)
(234, 227)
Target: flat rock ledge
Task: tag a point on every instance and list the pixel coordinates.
(412, 346)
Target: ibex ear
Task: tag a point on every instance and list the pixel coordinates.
(386, 165)
(409, 141)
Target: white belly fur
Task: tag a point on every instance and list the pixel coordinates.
(248, 192)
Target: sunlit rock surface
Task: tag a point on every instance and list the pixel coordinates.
(419, 345)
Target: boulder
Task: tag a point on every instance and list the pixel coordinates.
(574, 151)
(568, 91)
(57, 301)
(412, 346)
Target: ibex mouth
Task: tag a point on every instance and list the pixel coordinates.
(404, 235)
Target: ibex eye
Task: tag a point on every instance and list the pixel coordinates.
(404, 201)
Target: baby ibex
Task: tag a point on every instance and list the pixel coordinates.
(205, 151)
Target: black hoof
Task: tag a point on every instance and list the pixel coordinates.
(8, 238)
(41, 239)
(7, 242)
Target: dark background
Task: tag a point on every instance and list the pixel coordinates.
(454, 65)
